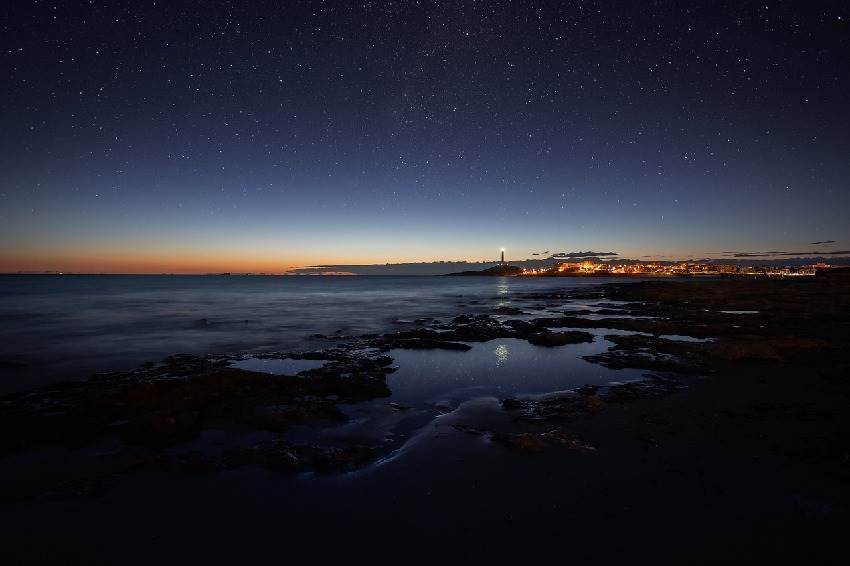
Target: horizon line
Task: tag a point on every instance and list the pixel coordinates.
(293, 271)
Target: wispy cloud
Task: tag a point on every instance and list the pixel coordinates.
(787, 254)
(822, 243)
(573, 255)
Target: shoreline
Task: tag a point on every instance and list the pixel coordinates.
(706, 419)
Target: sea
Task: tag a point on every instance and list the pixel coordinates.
(67, 327)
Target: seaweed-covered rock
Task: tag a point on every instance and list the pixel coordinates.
(159, 404)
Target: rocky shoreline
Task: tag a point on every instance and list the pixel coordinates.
(728, 325)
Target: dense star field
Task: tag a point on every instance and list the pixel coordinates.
(194, 136)
(463, 281)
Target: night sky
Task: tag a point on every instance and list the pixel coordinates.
(201, 136)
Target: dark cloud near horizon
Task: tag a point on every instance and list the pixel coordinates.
(821, 243)
(540, 253)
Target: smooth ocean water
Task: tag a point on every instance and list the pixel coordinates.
(56, 327)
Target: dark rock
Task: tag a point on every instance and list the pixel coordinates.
(281, 458)
(587, 389)
(469, 429)
(523, 441)
(538, 442)
(422, 344)
(161, 428)
(558, 407)
(204, 323)
(554, 339)
(618, 359)
(651, 388)
(159, 404)
(507, 310)
(299, 411)
(285, 457)
(562, 407)
(342, 459)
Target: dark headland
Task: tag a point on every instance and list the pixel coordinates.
(734, 447)
(495, 271)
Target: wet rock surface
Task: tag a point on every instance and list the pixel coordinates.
(541, 441)
(478, 328)
(160, 404)
(286, 457)
(554, 339)
(571, 405)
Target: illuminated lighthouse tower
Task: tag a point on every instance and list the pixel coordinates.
(503, 257)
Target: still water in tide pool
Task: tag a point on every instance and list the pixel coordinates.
(499, 368)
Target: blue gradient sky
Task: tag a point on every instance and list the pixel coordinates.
(207, 137)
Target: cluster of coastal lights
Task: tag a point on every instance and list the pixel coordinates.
(681, 268)
(675, 269)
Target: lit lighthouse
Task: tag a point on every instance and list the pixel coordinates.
(503, 256)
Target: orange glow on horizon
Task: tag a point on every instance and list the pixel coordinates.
(245, 258)
(181, 261)
(143, 262)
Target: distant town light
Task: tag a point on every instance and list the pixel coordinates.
(589, 267)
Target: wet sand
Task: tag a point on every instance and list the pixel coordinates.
(736, 449)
